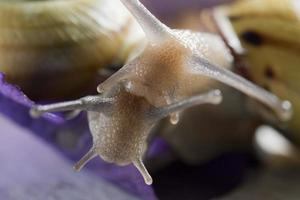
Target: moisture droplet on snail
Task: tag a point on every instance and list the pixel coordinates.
(163, 80)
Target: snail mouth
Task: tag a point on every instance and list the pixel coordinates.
(115, 160)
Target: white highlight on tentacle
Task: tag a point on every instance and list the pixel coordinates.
(174, 118)
(142, 169)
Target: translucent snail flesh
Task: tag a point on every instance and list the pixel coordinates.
(164, 79)
(120, 123)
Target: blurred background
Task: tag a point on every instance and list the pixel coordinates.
(237, 150)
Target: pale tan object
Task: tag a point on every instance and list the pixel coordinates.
(175, 65)
(44, 45)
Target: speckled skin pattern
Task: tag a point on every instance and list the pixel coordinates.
(161, 73)
(120, 123)
(119, 133)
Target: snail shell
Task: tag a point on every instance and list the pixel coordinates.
(269, 30)
(56, 42)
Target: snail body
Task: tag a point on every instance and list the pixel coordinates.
(120, 123)
(57, 40)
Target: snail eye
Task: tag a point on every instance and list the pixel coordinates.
(253, 38)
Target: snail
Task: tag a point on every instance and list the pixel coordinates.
(120, 123)
(167, 77)
(57, 40)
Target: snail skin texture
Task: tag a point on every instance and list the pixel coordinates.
(45, 45)
(120, 123)
(163, 80)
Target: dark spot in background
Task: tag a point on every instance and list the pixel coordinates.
(269, 72)
(235, 18)
(252, 37)
(213, 179)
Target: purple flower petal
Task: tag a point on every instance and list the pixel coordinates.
(18, 100)
(31, 169)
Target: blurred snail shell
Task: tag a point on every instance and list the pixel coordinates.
(58, 46)
(269, 30)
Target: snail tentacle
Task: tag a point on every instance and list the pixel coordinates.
(85, 103)
(281, 108)
(142, 169)
(121, 74)
(228, 31)
(85, 159)
(210, 97)
(152, 27)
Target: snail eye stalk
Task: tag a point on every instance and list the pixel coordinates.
(142, 169)
(282, 108)
(86, 103)
(153, 28)
(211, 97)
(85, 159)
